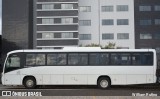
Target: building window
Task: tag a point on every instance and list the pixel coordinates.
(107, 8)
(66, 6)
(157, 36)
(106, 36)
(107, 22)
(157, 8)
(145, 36)
(85, 22)
(85, 36)
(122, 7)
(48, 21)
(67, 20)
(85, 9)
(144, 8)
(67, 35)
(145, 22)
(123, 36)
(122, 22)
(47, 6)
(157, 21)
(47, 35)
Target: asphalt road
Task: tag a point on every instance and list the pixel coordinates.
(129, 90)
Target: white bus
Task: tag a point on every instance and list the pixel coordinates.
(80, 66)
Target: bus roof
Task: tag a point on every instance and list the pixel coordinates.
(82, 49)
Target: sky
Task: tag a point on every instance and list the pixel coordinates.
(0, 17)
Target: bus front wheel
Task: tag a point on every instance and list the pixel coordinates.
(30, 83)
(104, 82)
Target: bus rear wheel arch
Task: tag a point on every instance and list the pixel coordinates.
(29, 82)
(104, 82)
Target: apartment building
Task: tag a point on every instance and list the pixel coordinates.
(104, 21)
(56, 23)
(48, 24)
(147, 24)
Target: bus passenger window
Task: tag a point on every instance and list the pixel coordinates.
(115, 59)
(147, 59)
(83, 59)
(51, 59)
(142, 59)
(35, 59)
(104, 59)
(94, 59)
(30, 59)
(136, 59)
(61, 59)
(73, 59)
(40, 59)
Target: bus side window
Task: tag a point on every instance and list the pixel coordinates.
(136, 59)
(61, 59)
(83, 59)
(115, 59)
(142, 59)
(30, 59)
(73, 59)
(94, 59)
(104, 59)
(51, 59)
(40, 59)
(147, 59)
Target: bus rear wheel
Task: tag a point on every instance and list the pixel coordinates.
(30, 83)
(104, 83)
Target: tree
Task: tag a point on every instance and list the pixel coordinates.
(93, 45)
(110, 46)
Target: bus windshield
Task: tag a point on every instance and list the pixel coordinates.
(12, 63)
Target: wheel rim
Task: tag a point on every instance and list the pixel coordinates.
(104, 83)
(30, 83)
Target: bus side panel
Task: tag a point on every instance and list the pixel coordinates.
(12, 78)
(75, 79)
(118, 79)
(46, 79)
(150, 79)
(52, 79)
(92, 79)
(57, 79)
(136, 79)
(38, 79)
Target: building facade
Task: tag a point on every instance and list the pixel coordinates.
(17, 26)
(56, 23)
(104, 21)
(47, 24)
(147, 24)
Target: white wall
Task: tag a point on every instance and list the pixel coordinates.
(94, 16)
(96, 28)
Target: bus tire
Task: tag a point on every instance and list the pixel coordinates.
(30, 82)
(104, 83)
